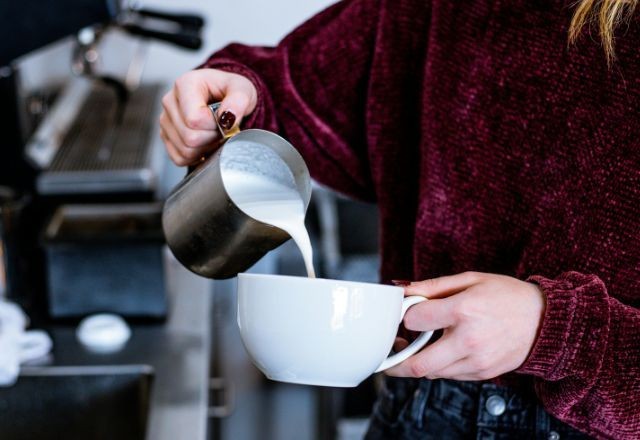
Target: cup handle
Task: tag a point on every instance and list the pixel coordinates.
(415, 346)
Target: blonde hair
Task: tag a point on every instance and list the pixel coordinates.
(606, 15)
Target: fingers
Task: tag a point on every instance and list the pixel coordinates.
(235, 105)
(173, 152)
(188, 127)
(193, 94)
(444, 286)
(431, 359)
(183, 155)
(195, 90)
(465, 369)
(430, 315)
(188, 137)
(457, 369)
(491, 322)
(185, 146)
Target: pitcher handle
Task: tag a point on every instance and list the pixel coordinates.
(225, 134)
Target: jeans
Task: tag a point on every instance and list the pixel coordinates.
(446, 409)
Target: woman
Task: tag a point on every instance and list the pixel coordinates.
(506, 166)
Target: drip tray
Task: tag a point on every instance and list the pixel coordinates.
(107, 149)
(106, 258)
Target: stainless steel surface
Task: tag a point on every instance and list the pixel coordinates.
(134, 221)
(85, 53)
(77, 403)
(205, 229)
(87, 182)
(179, 352)
(224, 401)
(45, 142)
(104, 151)
(136, 66)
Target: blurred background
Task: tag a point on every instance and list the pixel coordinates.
(246, 21)
(83, 175)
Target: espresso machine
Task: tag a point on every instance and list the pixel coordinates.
(79, 166)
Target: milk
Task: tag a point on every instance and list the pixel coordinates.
(277, 203)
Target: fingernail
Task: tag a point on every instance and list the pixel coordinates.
(227, 119)
(401, 283)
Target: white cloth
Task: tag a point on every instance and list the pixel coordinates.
(17, 345)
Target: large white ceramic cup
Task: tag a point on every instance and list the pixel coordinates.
(321, 332)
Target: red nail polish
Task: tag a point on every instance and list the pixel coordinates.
(401, 283)
(227, 119)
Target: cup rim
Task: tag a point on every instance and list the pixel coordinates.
(309, 280)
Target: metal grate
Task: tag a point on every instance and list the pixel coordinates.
(96, 142)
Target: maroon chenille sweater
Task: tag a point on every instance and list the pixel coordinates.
(489, 145)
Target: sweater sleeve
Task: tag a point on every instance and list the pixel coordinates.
(312, 89)
(586, 360)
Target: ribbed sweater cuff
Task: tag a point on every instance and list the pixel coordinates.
(574, 329)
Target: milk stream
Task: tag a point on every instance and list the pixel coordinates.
(273, 203)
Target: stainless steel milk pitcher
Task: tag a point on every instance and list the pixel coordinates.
(205, 229)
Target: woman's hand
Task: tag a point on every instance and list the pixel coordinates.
(186, 124)
(490, 324)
